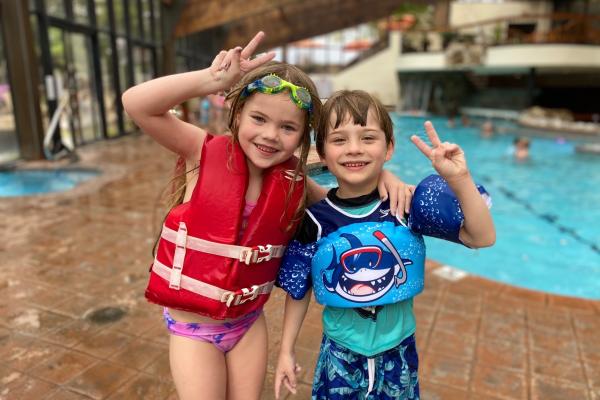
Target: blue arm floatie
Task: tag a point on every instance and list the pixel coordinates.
(435, 210)
(294, 273)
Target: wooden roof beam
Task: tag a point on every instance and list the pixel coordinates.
(199, 15)
(307, 19)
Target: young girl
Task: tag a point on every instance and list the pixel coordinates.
(219, 250)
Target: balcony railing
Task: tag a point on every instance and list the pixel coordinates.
(555, 28)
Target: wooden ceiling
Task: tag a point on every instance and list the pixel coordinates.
(284, 21)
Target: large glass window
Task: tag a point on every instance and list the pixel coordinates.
(80, 11)
(181, 64)
(72, 52)
(119, 10)
(157, 29)
(134, 26)
(9, 148)
(123, 75)
(81, 63)
(71, 55)
(56, 8)
(38, 52)
(142, 64)
(102, 20)
(147, 21)
(110, 105)
(65, 87)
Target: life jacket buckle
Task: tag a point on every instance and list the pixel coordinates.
(240, 296)
(228, 298)
(248, 294)
(256, 254)
(261, 251)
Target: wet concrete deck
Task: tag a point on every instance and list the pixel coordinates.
(64, 256)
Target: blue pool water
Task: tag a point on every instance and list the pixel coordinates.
(29, 182)
(546, 210)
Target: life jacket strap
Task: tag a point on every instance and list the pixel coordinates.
(247, 255)
(178, 257)
(214, 292)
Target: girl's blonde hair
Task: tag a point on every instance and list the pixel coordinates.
(287, 72)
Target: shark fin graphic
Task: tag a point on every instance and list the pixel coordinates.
(330, 286)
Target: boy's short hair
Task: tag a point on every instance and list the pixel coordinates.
(353, 105)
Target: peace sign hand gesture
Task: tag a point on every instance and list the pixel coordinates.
(448, 159)
(229, 66)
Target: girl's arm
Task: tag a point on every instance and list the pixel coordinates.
(285, 372)
(449, 161)
(314, 191)
(148, 104)
(400, 194)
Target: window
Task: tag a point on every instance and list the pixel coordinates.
(9, 148)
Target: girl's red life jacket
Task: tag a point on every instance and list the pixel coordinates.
(200, 265)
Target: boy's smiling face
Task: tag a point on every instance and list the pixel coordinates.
(355, 154)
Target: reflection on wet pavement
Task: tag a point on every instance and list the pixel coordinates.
(74, 323)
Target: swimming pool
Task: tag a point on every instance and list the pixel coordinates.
(546, 210)
(30, 182)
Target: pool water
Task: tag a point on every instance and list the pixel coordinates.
(30, 182)
(546, 210)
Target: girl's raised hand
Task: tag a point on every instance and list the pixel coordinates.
(230, 66)
(448, 159)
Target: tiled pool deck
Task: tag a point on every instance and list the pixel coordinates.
(63, 256)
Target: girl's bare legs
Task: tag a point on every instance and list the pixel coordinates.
(247, 363)
(199, 370)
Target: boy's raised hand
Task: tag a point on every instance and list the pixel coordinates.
(229, 66)
(448, 159)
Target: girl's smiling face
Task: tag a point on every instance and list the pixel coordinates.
(270, 127)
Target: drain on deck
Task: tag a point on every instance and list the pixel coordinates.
(105, 314)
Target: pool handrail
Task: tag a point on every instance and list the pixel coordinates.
(51, 131)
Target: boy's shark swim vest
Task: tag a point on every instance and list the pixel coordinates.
(200, 264)
(374, 259)
(364, 260)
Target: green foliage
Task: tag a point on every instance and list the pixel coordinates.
(422, 12)
(411, 8)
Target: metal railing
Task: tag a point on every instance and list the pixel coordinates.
(69, 148)
(554, 28)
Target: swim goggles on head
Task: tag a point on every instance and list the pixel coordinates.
(271, 84)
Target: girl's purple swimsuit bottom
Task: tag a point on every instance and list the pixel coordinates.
(223, 335)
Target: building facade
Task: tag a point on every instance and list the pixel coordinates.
(505, 55)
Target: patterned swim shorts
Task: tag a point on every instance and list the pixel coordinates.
(342, 374)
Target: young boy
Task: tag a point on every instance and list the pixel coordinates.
(364, 264)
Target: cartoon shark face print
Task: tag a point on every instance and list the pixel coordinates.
(366, 273)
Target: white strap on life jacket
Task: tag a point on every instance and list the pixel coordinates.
(244, 254)
(178, 257)
(213, 292)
